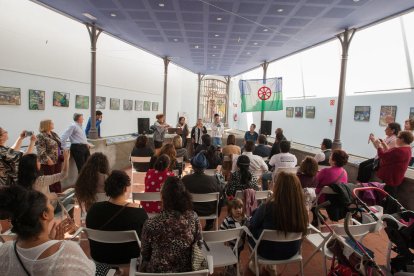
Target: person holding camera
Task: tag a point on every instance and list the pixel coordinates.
(49, 152)
(10, 156)
(217, 130)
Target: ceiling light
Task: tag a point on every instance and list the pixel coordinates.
(255, 43)
(248, 53)
(196, 46)
(175, 39)
(219, 18)
(356, 1)
(90, 16)
(265, 30)
(161, 5)
(113, 14)
(213, 55)
(279, 10)
(216, 35)
(214, 46)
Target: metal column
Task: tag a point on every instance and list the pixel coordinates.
(345, 39)
(164, 107)
(93, 34)
(200, 78)
(227, 78)
(264, 65)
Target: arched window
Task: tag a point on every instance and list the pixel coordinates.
(213, 99)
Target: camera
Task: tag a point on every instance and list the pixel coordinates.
(28, 133)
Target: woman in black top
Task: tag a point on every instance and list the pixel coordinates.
(116, 214)
(141, 149)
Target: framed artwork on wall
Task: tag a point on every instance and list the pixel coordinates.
(387, 114)
(299, 112)
(61, 99)
(139, 105)
(114, 104)
(36, 99)
(310, 112)
(362, 113)
(289, 112)
(100, 102)
(147, 106)
(128, 104)
(154, 106)
(10, 96)
(411, 116)
(82, 102)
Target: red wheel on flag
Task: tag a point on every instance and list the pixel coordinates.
(264, 93)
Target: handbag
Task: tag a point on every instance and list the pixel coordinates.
(198, 261)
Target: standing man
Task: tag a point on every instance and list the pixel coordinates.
(217, 130)
(251, 135)
(79, 146)
(98, 124)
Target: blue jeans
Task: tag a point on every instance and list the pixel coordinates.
(266, 177)
(216, 141)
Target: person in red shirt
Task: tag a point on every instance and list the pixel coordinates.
(154, 179)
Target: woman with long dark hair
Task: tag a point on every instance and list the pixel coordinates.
(91, 179)
(30, 177)
(241, 179)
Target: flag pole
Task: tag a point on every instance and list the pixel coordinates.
(264, 66)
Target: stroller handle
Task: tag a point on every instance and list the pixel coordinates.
(357, 190)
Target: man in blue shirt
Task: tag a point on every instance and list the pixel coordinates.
(98, 124)
(251, 135)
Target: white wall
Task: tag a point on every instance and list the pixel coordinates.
(44, 50)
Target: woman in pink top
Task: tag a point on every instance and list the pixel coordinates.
(154, 179)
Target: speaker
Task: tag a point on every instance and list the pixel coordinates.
(266, 127)
(143, 125)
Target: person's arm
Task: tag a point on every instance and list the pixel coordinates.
(256, 221)
(263, 164)
(272, 161)
(204, 130)
(65, 136)
(88, 127)
(230, 187)
(319, 181)
(16, 146)
(319, 157)
(31, 146)
(98, 127)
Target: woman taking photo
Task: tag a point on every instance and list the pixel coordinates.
(50, 153)
(182, 125)
(167, 238)
(30, 176)
(160, 127)
(286, 212)
(91, 180)
(10, 156)
(37, 251)
(241, 179)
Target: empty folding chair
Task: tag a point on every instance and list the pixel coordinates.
(148, 196)
(204, 198)
(137, 176)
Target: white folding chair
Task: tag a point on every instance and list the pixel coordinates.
(222, 254)
(112, 236)
(148, 196)
(260, 195)
(101, 197)
(326, 190)
(211, 172)
(210, 197)
(133, 271)
(274, 236)
(136, 176)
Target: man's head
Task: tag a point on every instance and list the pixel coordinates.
(252, 127)
(262, 139)
(284, 146)
(99, 115)
(199, 161)
(78, 117)
(279, 131)
(249, 146)
(326, 144)
(199, 121)
(216, 118)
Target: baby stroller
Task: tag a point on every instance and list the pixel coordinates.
(400, 232)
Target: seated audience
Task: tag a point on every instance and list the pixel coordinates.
(286, 212)
(167, 238)
(276, 145)
(323, 157)
(241, 179)
(251, 135)
(367, 167)
(154, 179)
(29, 175)
(50, 153)
(231, 147)
(169, 150)
(284, 159)
(257, 164)
(141, 149)
(116, 214)
(38, 251)
(213, 156)
(91, 180)
(200, 183)
(197, 132)
(394, 162)
(334, 174)
(262, 149)
(307, 172)
(206, 142)
(409, 126)
(10, 156)
(178, 145)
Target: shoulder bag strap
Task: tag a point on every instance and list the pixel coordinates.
(113, 217)
(18, 258)
(340, 176)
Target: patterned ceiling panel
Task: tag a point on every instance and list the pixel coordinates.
(227, 37)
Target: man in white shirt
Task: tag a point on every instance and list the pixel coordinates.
(323, 157)
(257, 164)
(217, 130)
(284, 159)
